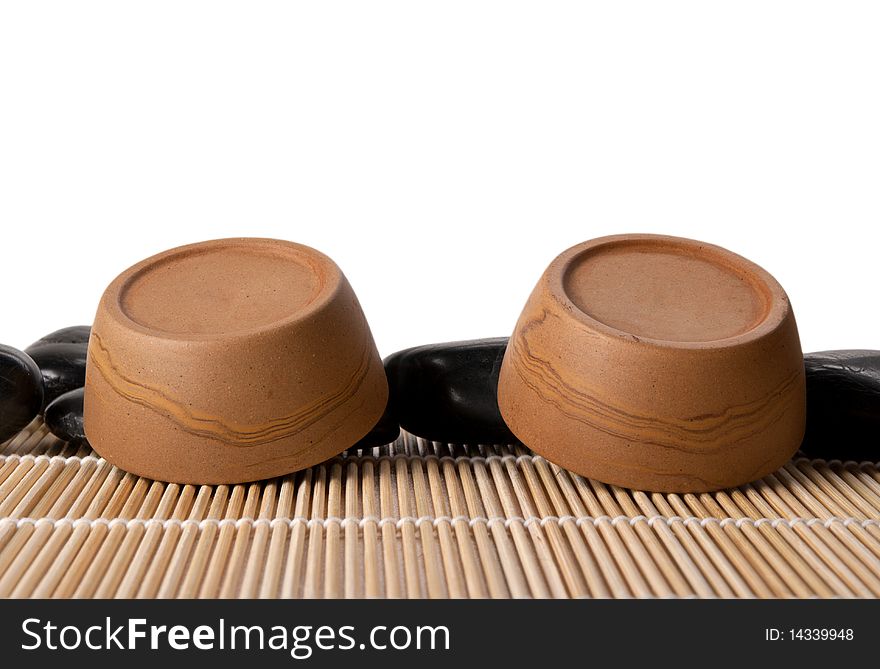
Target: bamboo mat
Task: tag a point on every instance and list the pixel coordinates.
(422, 519)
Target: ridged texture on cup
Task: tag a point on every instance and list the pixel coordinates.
(651, 414)
(230, 407)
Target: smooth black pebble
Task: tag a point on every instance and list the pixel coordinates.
(21, 391)
(383, 433)
(75, 334)
(448, 392)
(64, 417)
(63, 367)
(843, 405)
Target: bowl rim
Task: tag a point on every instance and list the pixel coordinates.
(327, 291)
(777, 310)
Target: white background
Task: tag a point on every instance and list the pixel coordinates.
(442, 153)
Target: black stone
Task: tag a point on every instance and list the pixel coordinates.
(63, 367)
(21, 391)
(64, 417)
(448, 392)
(383, 433)
(75, 334)
(843, 405)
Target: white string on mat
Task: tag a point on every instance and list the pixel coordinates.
(393, 457)
(434, 521)
(409, 457)
(836, 461)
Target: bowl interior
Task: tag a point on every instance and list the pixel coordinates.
(667, 290)
(221, 289)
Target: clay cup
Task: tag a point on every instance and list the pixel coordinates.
(230, 361)
(656, 363)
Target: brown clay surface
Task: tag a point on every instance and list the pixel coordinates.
(230, 361)
(664, 291)
(220, 290)
(656, 363)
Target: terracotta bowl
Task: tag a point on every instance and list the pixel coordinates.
(656, 363)
(230, 361)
